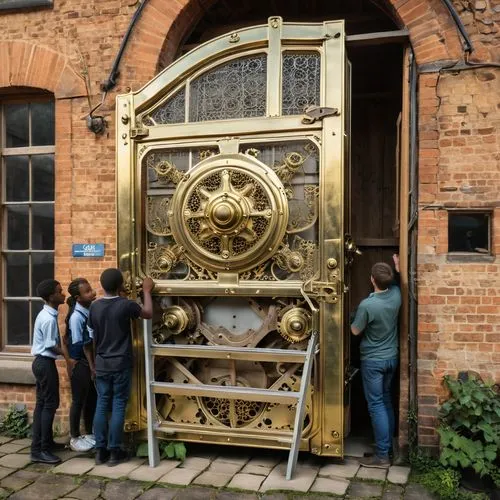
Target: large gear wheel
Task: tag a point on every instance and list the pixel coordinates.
(231, 213)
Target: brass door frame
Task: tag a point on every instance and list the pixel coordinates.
(134, 140)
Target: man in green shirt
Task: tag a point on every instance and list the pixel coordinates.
(377, 320)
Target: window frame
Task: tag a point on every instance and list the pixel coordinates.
(29, 98)
(25, 4)
(464, 256)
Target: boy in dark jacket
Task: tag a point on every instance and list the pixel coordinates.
(109, 325)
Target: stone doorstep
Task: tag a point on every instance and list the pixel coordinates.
(13, 461)
(152, 474)
(398, 474)
(215, 479)
(346, 470)
(195, 463)
(333, 486)
(179, 477)
(302, 480)
(121, 470)
(372, 473)
(250, 482)
(75, 466)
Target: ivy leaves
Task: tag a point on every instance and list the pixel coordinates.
(470, 426)
(15, 423)
(172, 449)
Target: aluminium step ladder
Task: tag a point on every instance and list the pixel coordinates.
(228, 392)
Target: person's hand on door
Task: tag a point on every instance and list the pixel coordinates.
(395, 258)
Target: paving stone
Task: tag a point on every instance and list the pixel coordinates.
(19, 480)
(302, 480)
(5, 439)
(224, 467)
(196, 494)
(372, 473)
(398, 474)
(23, 441)
(47, 487)
(122, 490)
(333, 486)
(121, 470)
(229, 495)
(36, 467)
(195, 463)
(15, 461)
(25, 451)
(152, 474)
(392, 492)
(215, 479)
(11, 447)
(347, 469)
(417, 492)
(360, 489)
(249, 482)
(232, 459)
(357, 447)
(269, 460)
(275, 496)
(89, 490)
(180, 477)
(260, 470)
(159, 493)
(4, 471)
(76, 466)
(4, 493)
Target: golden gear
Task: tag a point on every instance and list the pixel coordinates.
(295, 324)
(231, 213)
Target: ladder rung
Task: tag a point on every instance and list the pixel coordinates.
(225, 352)
(226, 392)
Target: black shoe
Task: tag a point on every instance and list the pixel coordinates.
(375, 462)
(117, 456)
(101, 456)
(45, 457)
(57, 446)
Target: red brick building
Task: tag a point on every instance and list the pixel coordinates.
(57, 53)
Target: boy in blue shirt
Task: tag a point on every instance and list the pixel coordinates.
(46, 347)
(377, 319)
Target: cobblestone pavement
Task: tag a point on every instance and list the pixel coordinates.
(209, 473)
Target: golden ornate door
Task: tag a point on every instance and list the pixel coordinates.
(231, 197)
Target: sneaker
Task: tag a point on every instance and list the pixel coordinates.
(80, 444)
(90, 438)
(375, 462)
(101, 456)
(117, 456)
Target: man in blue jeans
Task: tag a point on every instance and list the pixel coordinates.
(109, 325)
(377, 319)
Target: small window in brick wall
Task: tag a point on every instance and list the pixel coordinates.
(469, 232)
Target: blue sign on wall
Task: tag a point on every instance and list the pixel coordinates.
(88, 249)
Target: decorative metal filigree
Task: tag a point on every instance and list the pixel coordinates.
(304, 213)
(171, 111)
(162, 259)
(289, 166)
(166, 172)
(236, 89)
(301, 82)
(157, 215)
(309, 250)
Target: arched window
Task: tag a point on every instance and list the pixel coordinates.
(27, 145)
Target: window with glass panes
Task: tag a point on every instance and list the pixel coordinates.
(27, 238)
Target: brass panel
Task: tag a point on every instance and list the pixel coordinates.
(240, 223)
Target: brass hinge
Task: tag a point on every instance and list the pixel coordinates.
(138, 133)
(314, 113)
(323, 291)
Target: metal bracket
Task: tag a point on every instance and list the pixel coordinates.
(139, 133)
(314, 113)
(324, 291)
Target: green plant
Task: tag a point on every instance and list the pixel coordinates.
(168, 449)
(470, 426)
(15, 422)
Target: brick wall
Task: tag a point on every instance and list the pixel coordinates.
(76, 41)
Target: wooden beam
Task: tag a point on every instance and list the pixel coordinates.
(377, 242)
(377, 38)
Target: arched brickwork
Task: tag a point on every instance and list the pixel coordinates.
(164, 25)
(25, 64)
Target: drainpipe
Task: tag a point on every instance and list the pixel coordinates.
(412, 260)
